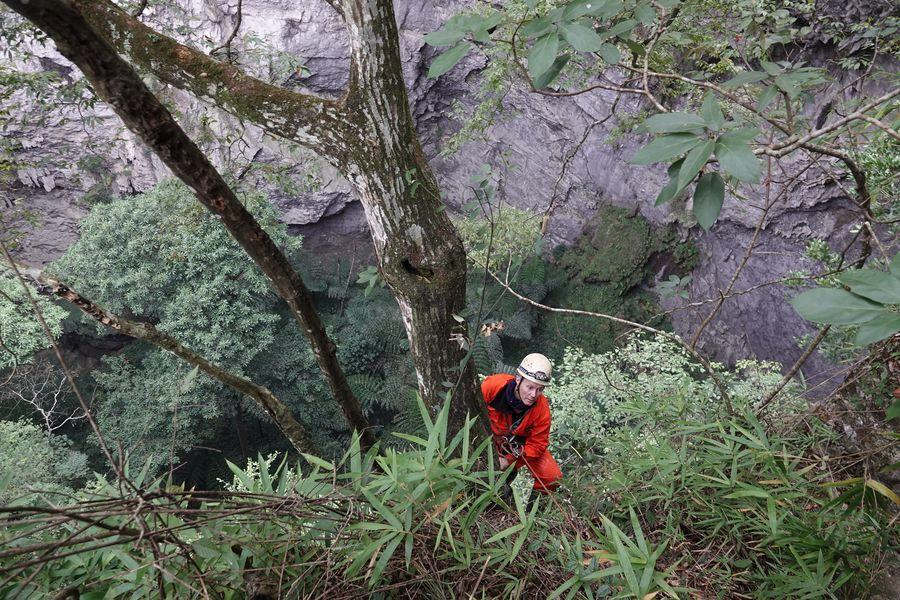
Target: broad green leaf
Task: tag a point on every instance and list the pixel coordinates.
(884, 325)
(744, 78)
(610, 54)
(636, 48)
(765, 98)
(607, 9)
(444, 37)
(735, 156)
(893, 412)
(548, 76)
(674, 122)
(786, 84)
(895, 265)
(542, 54)
(708, 199)
(582, 37)
(694, 161)
(535, 27)
(579, 8)
(666, 147)
(620, 29)
(448, 59)
(712, 112)
(771, 68)
(472, 22)
(879, 286)
(670, 189)
(839, 307)
(645, 13)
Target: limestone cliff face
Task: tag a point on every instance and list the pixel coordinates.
(63, 158)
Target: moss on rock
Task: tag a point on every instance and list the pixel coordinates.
(603, 271)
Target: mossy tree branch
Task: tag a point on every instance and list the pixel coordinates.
(116, 82)
(304, 118)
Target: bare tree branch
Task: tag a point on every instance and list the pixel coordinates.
(227, 43)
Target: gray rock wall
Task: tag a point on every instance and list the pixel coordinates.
(527, 148)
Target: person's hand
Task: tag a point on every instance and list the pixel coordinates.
(503, 463)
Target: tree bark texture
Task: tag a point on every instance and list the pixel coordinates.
(275, 408)
(369, 136)
(116, 82)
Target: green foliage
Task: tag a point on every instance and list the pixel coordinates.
(165, 258)
(671, 458)
(590, 390)
(600, 273)
(147, 406)
(366, 519)
(870, 303)
(21, 334)
(512, 234)
(37, 467)
(678, 474)
(161, 257)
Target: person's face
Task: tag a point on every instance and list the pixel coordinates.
(529, 391)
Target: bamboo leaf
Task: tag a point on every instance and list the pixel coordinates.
(383, 559)
(506, 532)
(883, 490)
(318, 462)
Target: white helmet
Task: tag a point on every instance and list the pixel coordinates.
(536, 368)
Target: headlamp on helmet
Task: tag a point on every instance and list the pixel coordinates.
(536, 368)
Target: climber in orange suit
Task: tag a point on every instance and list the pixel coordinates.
(520, 420)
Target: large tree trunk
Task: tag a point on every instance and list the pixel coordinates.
(369, 136)
(117, 83)
(419, 251)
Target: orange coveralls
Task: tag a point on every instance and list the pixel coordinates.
(535, 428)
